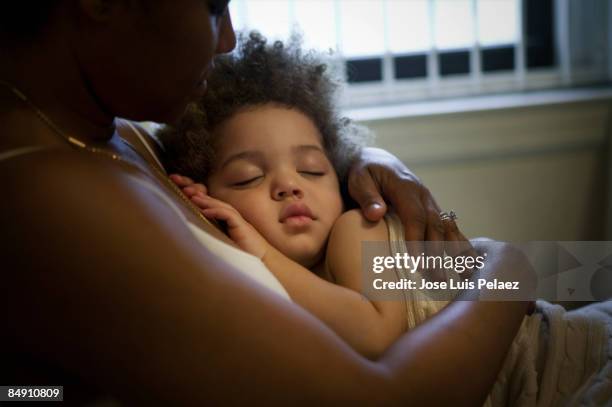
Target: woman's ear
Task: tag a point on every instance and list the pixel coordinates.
(97, 10)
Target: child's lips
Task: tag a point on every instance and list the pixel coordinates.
(298, 220)
(296, 213)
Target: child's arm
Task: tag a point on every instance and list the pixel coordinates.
(369, 327)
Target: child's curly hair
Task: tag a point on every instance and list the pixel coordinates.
(254, 75)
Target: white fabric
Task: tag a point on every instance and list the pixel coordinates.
(558, 358)
(250, 265)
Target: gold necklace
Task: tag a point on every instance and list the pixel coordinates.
(116, 157)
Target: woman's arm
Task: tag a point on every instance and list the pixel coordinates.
(104, 280)
(378, 177)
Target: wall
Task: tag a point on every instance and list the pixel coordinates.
(536, 173)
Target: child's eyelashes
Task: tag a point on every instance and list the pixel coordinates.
(246, 182)
(312, 173)
(253, 180)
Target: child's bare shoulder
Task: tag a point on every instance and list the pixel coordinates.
(343, 259)
(352, 226)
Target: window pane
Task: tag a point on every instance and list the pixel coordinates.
(497, 59)
(410, 66)
(409, 28)
(539, 33)
(454, 24)
(364, 70)
(362, 27)
(235, 9)
(454, 62)
(497, 22)
(270, 17)
(316, 20)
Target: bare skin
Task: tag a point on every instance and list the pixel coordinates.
(103, 280)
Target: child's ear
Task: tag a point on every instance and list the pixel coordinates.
(97, 10)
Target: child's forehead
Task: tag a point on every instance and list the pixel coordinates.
(269, 128)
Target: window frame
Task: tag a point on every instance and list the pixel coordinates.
(571, 59)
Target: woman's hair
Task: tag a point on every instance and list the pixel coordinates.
(24, 20)
(258, 73)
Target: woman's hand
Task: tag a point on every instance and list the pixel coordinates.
(456, 244)
(238, 229)
(379, 174)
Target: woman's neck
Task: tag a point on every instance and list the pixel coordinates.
(57, 89)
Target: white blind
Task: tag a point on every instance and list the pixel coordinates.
(372, 27)
(386, 29)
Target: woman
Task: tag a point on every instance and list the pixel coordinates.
(104, 278)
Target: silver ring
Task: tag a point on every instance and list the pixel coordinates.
(448, 216)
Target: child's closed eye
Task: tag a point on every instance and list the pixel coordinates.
(313, 173)
(247, 182)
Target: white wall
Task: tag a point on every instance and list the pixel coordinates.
(536, 173)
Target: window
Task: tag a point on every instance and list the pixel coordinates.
(393, 51)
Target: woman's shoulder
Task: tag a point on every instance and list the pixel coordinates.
(56, 173)
(45, 187)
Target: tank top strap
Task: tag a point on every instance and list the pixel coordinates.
(145, 141)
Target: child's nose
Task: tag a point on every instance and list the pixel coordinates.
(287, 188)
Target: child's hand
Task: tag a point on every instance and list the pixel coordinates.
(241, 231)
(188, 186)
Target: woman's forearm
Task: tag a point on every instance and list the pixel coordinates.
(352, 316)
(469, 337)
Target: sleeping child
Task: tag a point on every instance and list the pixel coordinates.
(273, 152)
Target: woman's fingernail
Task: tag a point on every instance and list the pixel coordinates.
(375, 205)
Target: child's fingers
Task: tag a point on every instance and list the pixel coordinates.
(231, 218)
(195, 190)
(201, 202)
(181, 180)
(188, 186)
(199, 186)
(206, 201)
(223, 209)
